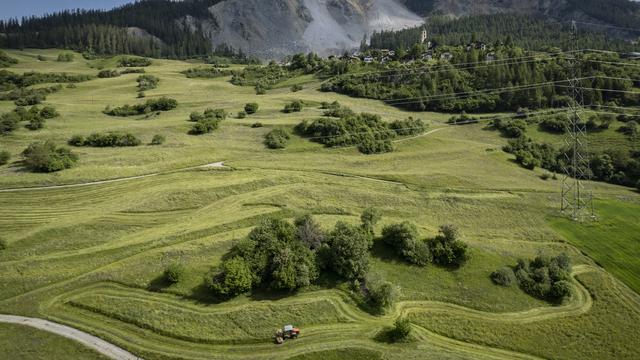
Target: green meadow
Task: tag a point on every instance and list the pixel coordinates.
(87, 246)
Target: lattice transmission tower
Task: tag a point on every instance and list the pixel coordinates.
(577, 200)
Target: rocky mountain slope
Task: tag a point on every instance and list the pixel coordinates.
(275, 28)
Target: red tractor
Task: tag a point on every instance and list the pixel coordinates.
(287, 332)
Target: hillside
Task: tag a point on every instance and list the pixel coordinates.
(90, 246)
(274, 29)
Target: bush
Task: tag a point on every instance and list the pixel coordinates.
(49, 112)
(5, 156)
(277, 139)
(349, 251)
(147, 82)
(174, 273)
(409, 126)
(112, 139)
(105, 74)
(36, 123)
(153, 105)
(158, 140)
(403, 238)
(47, 157)
(66, 57)
(234, 277)
(242, 114)
(8, 123)
(309, 232)
(251, 108)
(462, 119)
(447, 249)
(503, 276)
(3, 244)
(401, 330)
(545, 277)
(219, 114)
(204, 126)
(256, 125)
(556, 124)
(208, 73)
(369, 145)
(296, 88)
(134, 62)
(381, 295)
(141, 95)
(76, 140)
(295, 106)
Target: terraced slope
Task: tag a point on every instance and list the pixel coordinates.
(92, 256)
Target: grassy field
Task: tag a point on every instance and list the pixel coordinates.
(92, 256)
(25, 343)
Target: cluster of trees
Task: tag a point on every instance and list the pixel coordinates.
(367, 131)
(545, 277)
(106, 32)
(207, 121)
(15, 87)
(208, 72)
(280, 255)
(614, 165)
(445, 249)
(108, 139)
(152, 105)
(277, 139)
(35, 118)
(294, 106)
(6, 60)
(531, 32)
(518, 82)
(48, 157)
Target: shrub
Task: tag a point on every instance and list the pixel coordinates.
(234, 277)
(76, 140)
(256, 125)
(349, 251)
(3, 244)
(242, 114)
(295, 106)
(66, 57)
(409, 126)
(147, 82)
(251, 108)
(47, 157)
(503, 276)
(105, 74)
(5, 156)
(369, 145)
(6, 60)
(309, 231)
(296, 88)
(141, 95)
(36, 123)
(132, 71)
(152, 105)
(277, 139)
(174, 273)
(219, 114)
(462, 119)
(49, 112)
(545, 277)
(381, 295)
(261, 89)
(369, 218)
(630, 128)
(134, 62)
(401, 330)
(109, 139)
(8, 123)
(208, 73)
(204, 126)
(556, 124)
(158, 140)
(403, 238)
(71, 86)
(447, 249)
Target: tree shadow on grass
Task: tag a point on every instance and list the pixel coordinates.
(386, 253)
(158, 284)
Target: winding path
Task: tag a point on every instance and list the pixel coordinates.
(88, 340)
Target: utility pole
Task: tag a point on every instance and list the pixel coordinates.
(577, 201)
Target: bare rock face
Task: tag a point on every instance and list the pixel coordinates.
(274, 28)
